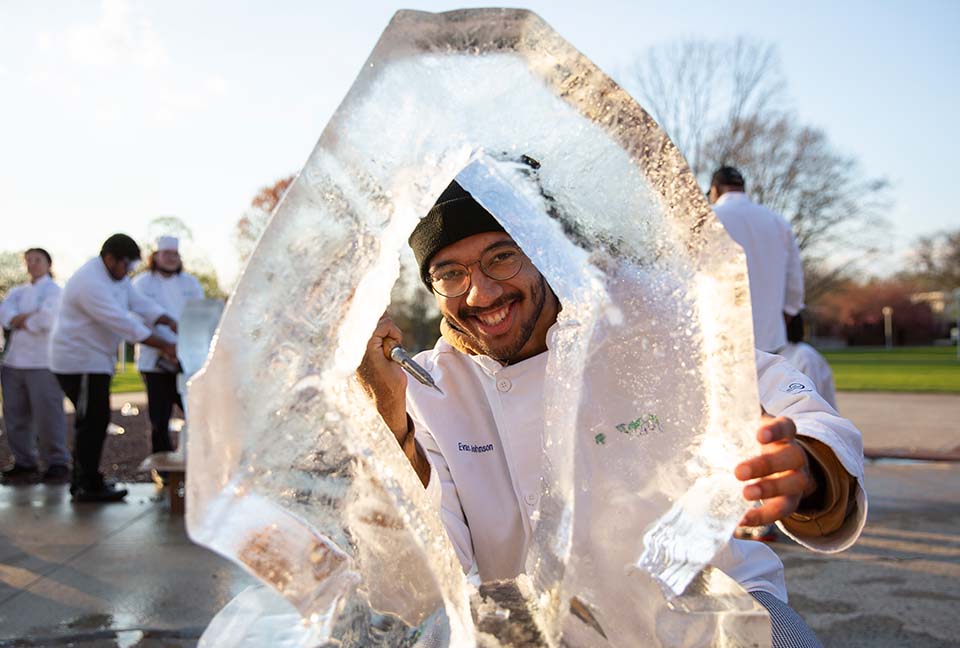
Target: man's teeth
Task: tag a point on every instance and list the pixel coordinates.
(494, 317)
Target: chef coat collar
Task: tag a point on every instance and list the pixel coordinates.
(493, 367)
(732, 197)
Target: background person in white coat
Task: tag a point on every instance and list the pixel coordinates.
(809, 361)
(773, 258)
(32, 398)
(99, 309)
(168, 285)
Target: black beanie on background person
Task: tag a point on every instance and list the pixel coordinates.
(454, 217)
(121, 246)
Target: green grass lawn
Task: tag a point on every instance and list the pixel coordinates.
(906, 369)
(127, 381)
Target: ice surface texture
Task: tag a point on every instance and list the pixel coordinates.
(197, 326)
(650, 397)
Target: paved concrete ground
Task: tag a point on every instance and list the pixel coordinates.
(926, 423)
(899, 586)
(104, 575)
(126, 574)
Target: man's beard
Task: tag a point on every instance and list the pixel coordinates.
(505, 354)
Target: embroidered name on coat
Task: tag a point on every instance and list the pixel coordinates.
(464, 447)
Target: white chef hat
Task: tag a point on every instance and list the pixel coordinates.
(167, 243)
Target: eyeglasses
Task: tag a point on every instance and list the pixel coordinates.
(453, 279)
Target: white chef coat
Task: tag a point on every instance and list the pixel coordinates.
(805, 358)
(29, 347)
(96, 314)
(773, 265)
(482, 440)
(172, 293)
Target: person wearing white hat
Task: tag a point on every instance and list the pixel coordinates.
(167, 284)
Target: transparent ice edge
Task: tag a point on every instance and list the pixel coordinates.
(265, 539)
(681, 542)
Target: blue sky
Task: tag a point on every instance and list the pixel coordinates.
(116, 112)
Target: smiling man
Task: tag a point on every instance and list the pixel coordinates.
(504, 310)
(479, 444)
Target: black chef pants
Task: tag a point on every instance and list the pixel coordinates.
(162, 394)
(90, 395)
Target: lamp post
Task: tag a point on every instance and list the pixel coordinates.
(888, 326)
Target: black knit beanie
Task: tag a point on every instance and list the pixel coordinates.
(454, 217)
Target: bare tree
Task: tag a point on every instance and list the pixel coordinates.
(793, 170)
(698, 90)
(725, 103)
(935, 261)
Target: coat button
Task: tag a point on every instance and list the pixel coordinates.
(504, 385)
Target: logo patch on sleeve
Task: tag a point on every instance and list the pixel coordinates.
(795, 388)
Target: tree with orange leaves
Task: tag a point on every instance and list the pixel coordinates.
(252, 224)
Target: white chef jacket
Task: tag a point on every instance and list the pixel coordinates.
(29, 347)
(483, 444)
(773, 265)
(96, 314)
(172, 293)
(805, 358)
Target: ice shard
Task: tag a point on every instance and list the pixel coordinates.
(651, 391)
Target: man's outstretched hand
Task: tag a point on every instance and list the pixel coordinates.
(779, 476)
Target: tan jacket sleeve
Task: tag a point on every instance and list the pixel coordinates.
(835, 498)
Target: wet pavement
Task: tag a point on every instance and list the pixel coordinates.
(126, 574)
(104, 575)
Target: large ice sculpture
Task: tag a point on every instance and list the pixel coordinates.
(650, 395)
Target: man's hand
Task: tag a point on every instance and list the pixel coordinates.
(781, 473)
(169, 351)
(169, 321)
(20, 321)
(383, 379)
